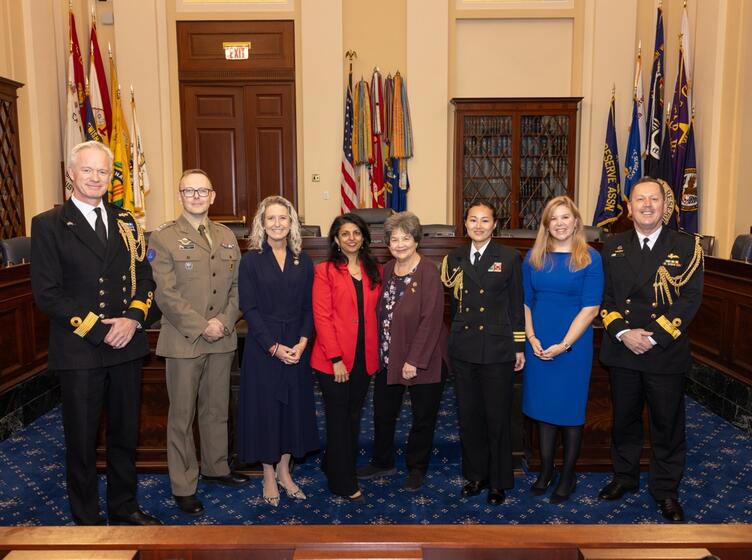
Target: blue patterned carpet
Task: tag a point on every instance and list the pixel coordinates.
(717, 487)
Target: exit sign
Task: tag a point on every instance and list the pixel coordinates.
(237, 50)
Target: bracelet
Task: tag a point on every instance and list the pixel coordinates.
(567, 347)
(531, 337)
(276, 347)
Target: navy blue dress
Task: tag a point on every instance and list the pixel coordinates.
(556, 391)
(276, 411)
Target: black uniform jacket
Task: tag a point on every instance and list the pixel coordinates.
(631, 299)
(488, 325)
(78, 282)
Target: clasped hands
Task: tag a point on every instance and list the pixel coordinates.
(214, 330)
(287, 355)
(546, 354)
(121, 331)
(637, 340)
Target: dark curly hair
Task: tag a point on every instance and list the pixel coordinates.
(335, 255)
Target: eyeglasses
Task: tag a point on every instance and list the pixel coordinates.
(191, 192)
(88, 171)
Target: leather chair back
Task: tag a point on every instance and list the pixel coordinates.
(16, 250)
(742, 249)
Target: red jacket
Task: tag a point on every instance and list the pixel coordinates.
(335, 315)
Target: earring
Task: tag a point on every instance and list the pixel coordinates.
(339, 248)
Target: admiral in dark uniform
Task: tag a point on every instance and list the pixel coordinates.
(653, 288)
(89, 275)
(486, 347)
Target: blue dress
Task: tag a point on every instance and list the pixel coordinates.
(556, 391)
(276, 411)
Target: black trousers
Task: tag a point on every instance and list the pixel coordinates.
(484, 403)
(664, 393)
(343, 406)
(387, 402)
(84, 393)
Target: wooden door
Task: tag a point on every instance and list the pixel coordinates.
(238, 116)
(214, 139)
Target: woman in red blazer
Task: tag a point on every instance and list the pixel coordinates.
(345, 354)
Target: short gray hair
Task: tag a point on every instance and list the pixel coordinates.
(90, 145)
(407, 222)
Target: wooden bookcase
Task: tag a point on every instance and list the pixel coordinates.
(516, 153)
(11, 190)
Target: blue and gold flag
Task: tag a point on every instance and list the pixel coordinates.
(689, 190)
(610, 200)
(678, 127)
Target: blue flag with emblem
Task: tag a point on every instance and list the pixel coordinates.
(678, 127)
(633, 158)
(610, 200)
(689, 191)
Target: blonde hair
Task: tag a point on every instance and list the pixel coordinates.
(543, 244)
(258, 235)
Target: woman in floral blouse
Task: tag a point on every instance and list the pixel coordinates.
(412, 345)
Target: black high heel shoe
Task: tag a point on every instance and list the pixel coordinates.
(539, 487)
(558, 496)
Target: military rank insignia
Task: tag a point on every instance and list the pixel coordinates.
(672, 260)
(618, 252)
(186, 244)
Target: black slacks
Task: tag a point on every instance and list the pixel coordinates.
(84, 392)
(387, 402)
(343, 406)
(484, 403)
(664, 394)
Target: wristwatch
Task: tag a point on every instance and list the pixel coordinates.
(567, 347)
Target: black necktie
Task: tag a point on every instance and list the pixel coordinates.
(202, 232)
(477, 259)
(645, 246)
(99, 228)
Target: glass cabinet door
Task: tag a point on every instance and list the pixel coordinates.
(544, 156)
(487, 164)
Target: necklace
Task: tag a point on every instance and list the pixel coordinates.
(404, 269)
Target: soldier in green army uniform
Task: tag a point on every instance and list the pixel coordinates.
(195, 264)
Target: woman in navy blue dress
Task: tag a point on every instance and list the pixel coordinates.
(276, 413)
(563, 283)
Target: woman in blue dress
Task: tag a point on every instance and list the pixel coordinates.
(276, 413)
(563, 283)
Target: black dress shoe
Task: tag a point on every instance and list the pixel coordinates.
(414, 480)
(473, 488)
(232, 479)
(369, 471)
(138, 517)
(562, 494)
(615, 490)
(189, 504)
(540, 486)
(496, 497)
(671, 509)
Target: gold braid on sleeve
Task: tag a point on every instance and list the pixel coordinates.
(136, 245)
(453, 280)
(664, 281)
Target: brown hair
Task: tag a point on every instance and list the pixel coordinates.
(543, 245)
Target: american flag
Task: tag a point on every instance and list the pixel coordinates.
(348, 186)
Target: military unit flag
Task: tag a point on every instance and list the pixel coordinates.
(633, 157)
(377, 142)
(90, 115)
(655, 102)
(610, 199)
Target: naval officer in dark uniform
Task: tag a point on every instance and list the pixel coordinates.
(486, 347)
(653, 288)
(89, 275)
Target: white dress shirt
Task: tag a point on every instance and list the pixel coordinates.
(88, 211)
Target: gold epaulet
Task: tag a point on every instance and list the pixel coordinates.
(663, 279)
(453, 280)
